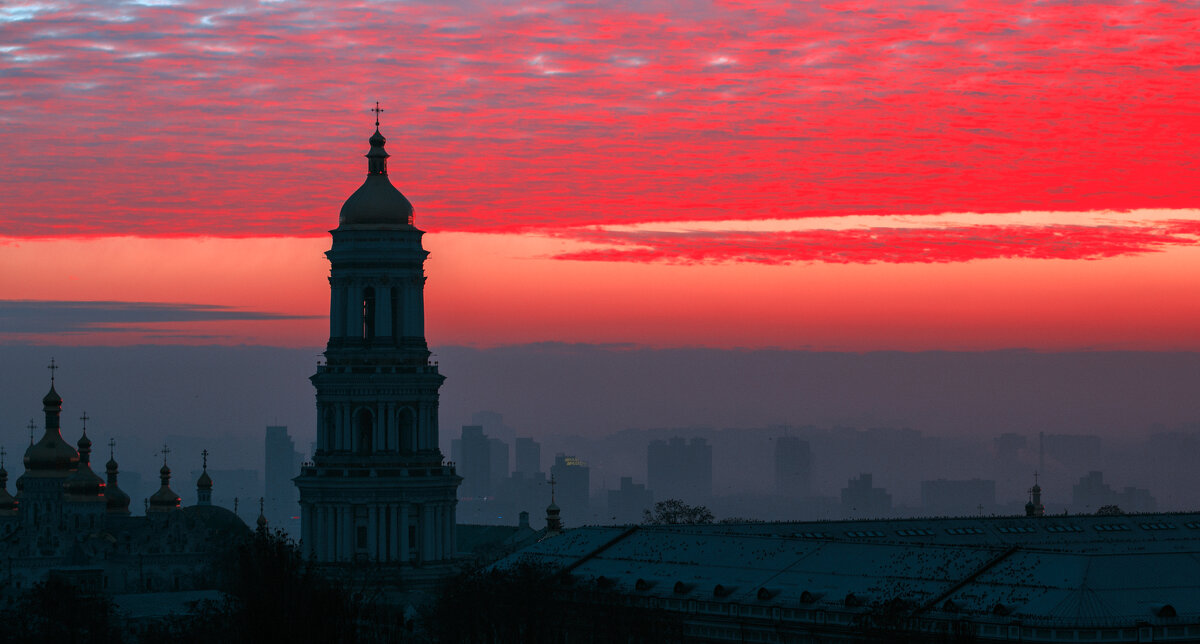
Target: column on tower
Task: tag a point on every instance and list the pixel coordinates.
(353, 311)
(404, 545)
(372, 532)
(428, 538)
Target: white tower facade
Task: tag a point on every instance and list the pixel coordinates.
(378, 490)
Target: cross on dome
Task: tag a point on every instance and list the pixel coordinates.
(32, 426)
(377, 110)
(204, 455)
(112, 449)
(52, 367)
(85, 418)
(165, 450)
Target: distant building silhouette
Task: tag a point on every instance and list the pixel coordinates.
(679, 469)
(793, 467)
(573, 486)
(627, 503)
(498, 470)
(528, 456)
(1091, 493)
(378, 491)
(862, 500)
(474, 461)
(281, 498)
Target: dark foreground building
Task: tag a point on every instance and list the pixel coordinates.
(1125, 578)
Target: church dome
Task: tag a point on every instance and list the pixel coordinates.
(376, 202)
(51, 456)
(205, 481)
(52, 397)
(83, 484)
(165, 498)
(117, 500)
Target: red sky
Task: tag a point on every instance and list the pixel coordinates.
(841, 175)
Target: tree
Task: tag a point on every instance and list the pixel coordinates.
(676, 512)
(1109, 511)
(57, 611)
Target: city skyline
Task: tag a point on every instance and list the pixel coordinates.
(832, 178)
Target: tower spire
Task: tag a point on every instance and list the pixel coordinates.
(377, 156)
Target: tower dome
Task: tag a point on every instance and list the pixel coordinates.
(51, 456)
(83, 484)
(165, 499)
(376, 203)
(118, 500)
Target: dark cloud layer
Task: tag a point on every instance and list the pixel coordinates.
(46, 317)
(229, 119)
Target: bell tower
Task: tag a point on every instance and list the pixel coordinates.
(378, 490)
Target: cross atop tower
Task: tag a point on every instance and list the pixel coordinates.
(52, 367)
(165, 450)
(552, 484)
(32, 426)
(377, 110)
(204, 454)
(112, 449)
(85, 419)
(260, 505)
(3, 453)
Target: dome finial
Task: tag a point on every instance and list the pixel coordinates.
(377, 110)
(32, 427)
(52, 367)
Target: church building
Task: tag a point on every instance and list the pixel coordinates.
(67, 522)
(378, 494)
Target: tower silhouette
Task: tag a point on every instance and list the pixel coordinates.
(378, 489)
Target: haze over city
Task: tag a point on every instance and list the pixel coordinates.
(961, 221)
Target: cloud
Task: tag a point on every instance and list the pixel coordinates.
(46, 317)
(161, 118)
(883, 245)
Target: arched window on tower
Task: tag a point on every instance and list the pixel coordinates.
(368, 313)
(364, 425)
(408, 428)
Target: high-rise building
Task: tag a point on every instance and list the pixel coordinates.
(627, 503)
(378, 489)
(528, 456)
(498, 455)
(862, 500)
(793, 467)
(475, 463)
(572, 479)
(281, 498)
(679, 469)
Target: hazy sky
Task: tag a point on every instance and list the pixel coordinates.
(842, 176)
